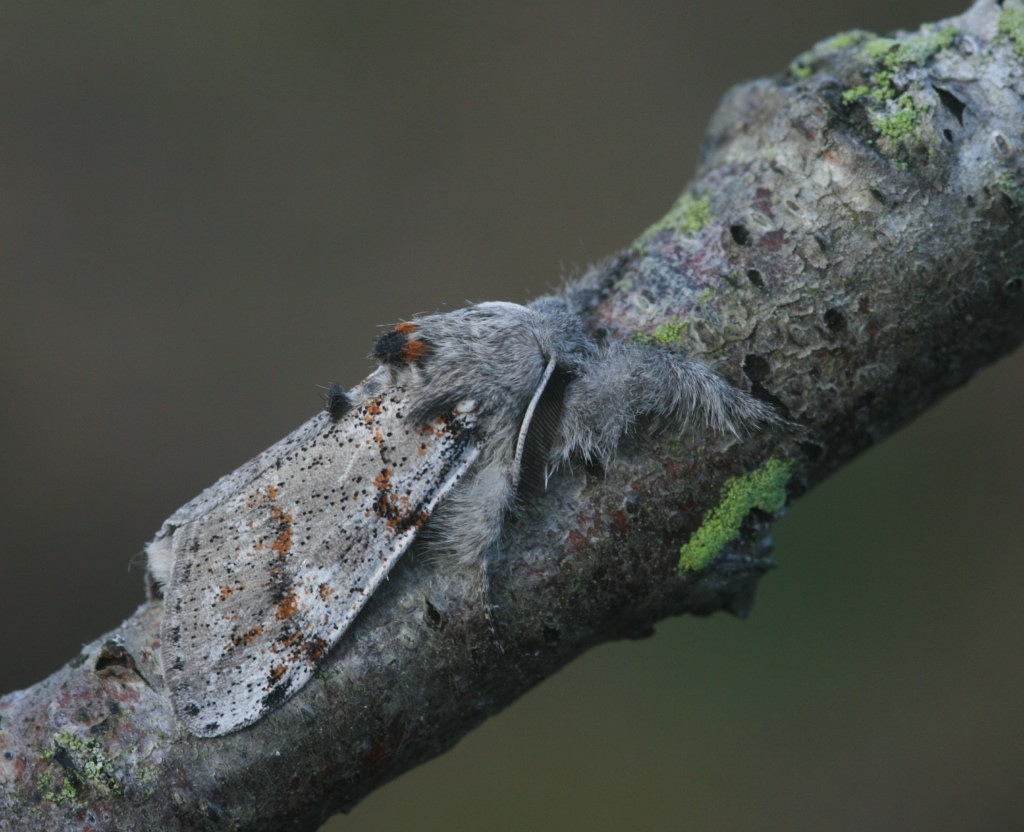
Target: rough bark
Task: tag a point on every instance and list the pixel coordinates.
(850, 250)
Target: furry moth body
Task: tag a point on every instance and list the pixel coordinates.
(265, 570)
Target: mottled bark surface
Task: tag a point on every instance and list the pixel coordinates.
(850, 250)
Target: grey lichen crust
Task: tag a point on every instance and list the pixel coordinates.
(850, 251)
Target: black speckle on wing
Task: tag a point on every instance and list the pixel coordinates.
(270, 576)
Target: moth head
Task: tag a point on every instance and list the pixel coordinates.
(400, 346)
(495, 353)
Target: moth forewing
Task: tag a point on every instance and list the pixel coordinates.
(271, 575)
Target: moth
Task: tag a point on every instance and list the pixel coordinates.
(265, 570)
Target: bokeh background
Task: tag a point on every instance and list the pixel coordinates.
(208, 208)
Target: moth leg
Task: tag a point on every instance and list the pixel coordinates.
(629, 382)
(470, 520)
(466, 530)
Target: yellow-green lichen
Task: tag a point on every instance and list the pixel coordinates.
(1011, 187)
(854, 94)
(763, 489)
(842, 40)
(899, 121)
(914, 50)
(878, 92)
(670, 334)
(893, 114)
(63, 793)
(803, 64)
(878, 47)
(90, 764)
(688, 216)
(1011, 24)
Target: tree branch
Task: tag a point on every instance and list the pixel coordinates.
(850, 249)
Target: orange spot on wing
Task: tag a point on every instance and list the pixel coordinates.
(281, 543)
(372, 410)
(288, 641)
(247, 637)
(383, 479)
(287, 607)
(227, 591)
(315, 649)
(438, 429)
(406, 327)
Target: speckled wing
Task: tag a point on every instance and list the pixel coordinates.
(272, 563)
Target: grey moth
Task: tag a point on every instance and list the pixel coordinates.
(264, 571)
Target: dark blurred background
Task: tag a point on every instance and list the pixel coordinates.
(207, 209)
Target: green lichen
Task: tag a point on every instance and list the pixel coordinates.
(1011, 187)
(914, 50)
(803, 65)
(1011, 24)
(893, 114)
(763, 489)
(688, 216)
(882, 89)
(64, 793)
(670, 334)
(91, 766)
(900, 121)
(842, 40)
(146, 776)
(894, 53)
(878, 92)
(854, 94)
(879, 47)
